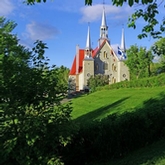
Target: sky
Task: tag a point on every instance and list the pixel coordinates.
(63, 24)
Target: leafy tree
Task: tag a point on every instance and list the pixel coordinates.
(159, 50)
(97, 80)
(63, 74)
(148, 12)
(139, 61)
(34, 125)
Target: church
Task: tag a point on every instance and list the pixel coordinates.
(101, 60)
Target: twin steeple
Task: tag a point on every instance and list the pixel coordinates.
(103, 29)
(88, 49)
(88, 43)
(123, 48)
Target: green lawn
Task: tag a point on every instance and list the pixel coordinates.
(100, 104)
(103, 103)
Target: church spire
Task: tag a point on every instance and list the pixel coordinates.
(103, 23)
(103, 29)
(123, 41)
(88, 42)
(88, 48)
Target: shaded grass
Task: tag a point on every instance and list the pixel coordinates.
(150, 155)
(100, 104)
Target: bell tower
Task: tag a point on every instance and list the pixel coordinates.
(88, 62)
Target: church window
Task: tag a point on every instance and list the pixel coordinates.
(105, 54)
(105, 66)
(114, 68)
(111, 52)
(88, 74)
(113, 80)
(124, 75)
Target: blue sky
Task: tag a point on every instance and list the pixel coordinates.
(63, 24)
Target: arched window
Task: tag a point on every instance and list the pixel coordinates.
(105, 66)
(105, 54)
(113, 80)
(114, 68)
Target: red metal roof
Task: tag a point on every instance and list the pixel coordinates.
(73, 68)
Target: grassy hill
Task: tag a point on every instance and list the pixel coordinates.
(102, 103)
(136, 111)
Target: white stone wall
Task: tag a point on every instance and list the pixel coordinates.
(81, 81)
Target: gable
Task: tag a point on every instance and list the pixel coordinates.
(106, 47)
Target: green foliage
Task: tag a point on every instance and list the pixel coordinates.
(97, 80)
(138, 62)
(34, 125)
(159, 49)
(154, 81)
(32, 2)
(149, 15)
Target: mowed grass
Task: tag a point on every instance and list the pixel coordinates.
(100, 104)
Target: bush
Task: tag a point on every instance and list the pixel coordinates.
(145, 82)
(97, 80)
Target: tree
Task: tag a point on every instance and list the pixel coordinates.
(34, 125)
(139, 61)
(148, 12)
(159, 50)
(97, 80)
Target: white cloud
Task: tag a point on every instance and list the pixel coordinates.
(6, 7)
(40, 31)
(93, 13)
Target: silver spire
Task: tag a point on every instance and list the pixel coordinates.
(88, 43)
(103, 23)
(123, 41)
(104, 27)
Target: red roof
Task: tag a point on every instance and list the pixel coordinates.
(73, 68)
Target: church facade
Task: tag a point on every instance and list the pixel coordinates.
(101, 60)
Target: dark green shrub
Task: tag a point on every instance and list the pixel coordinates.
(145, 82)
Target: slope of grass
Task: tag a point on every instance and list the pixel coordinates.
(150, 155)
(102, 103)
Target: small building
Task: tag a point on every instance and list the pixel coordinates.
(101, 60)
